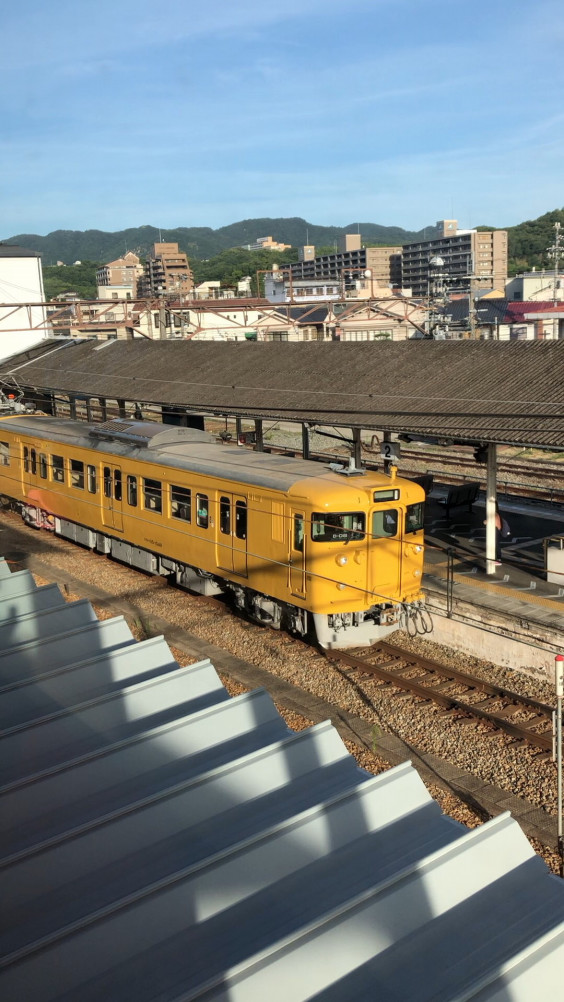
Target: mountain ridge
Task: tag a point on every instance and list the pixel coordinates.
(528, 241)
(201, 242)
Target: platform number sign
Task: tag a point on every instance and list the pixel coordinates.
(390, 450)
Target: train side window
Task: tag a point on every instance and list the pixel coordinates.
(107, 482)
(225, 516)
(384, 523)
(153, 494)
(181, 503)
(241, 519)
(4, 454)
(117, 485)
(43, 466)
(91, 479)
(203, 511)
(58, 469)
(33, 462)
(26, 459)
(414, 514)
(77, 473)
(299, 533)
(132, 491)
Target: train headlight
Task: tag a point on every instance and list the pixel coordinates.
(417, 549)
(342, 561)
(417, 574)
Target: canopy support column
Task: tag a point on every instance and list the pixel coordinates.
(305, 441)
(259, 438)
(491, 501)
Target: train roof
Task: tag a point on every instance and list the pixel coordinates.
(194, 450)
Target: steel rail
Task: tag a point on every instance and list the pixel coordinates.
(425, 688)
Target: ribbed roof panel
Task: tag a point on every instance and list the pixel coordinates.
(161, 840)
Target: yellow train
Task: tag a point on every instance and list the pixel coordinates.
(308, 547)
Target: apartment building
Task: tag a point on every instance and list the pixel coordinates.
(167, 270)
(121, 276)
(470, 259)
(349, 264)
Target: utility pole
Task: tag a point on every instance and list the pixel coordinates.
(471, 310)
(556, 252)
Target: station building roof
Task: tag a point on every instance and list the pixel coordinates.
(467, 391)
(159, 839)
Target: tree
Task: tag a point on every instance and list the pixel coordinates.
(79, 278)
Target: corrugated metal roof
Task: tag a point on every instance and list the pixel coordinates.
(465, 390)
(161, 840)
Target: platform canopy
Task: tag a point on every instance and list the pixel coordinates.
(464, 391)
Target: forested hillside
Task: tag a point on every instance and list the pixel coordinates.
(218, 255)
(198, 243)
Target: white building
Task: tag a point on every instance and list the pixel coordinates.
(21, 286)
(535, 286)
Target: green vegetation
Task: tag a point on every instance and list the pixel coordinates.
(231, 266)
(79, 278)
(528, 242)
(219, 255)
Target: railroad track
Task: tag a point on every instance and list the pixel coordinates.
(523, 718)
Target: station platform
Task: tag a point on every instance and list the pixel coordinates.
(518, 592)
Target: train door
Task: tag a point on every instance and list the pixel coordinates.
(232, 534)
(29, 467)
(386, 553)
(112, 496)
(297, 553)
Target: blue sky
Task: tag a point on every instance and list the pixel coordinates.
(398, 112)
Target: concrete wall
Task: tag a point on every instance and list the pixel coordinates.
(21, 281)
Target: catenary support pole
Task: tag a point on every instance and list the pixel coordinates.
(387, 437)
(357, 447)
(491, 478)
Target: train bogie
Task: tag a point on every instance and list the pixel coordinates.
(298, 545)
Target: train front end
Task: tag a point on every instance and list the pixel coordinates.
(363, 550)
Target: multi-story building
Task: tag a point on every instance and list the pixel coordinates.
(267, 243)
(166, 271)
(121, 274)
(470, 259)
(350, 263)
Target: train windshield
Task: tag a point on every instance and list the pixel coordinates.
(384, 522)
(337, 527)
(414, 517)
